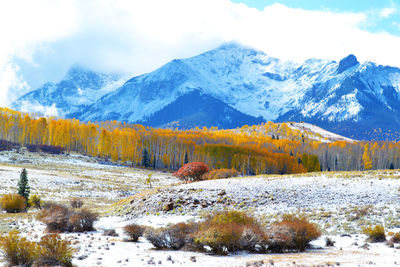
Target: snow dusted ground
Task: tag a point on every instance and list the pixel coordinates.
(325, 136)
(59, 178)
(340, 203)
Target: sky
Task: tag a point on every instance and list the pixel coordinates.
(42, 39)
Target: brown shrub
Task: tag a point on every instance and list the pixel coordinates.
(55, 216)
(172, 237)
(134, 231)
(59, 218)
(18, 250)
(280, 238)
(220, 174)
(292, 233)
(110, 232)
(396, 238)
(76, 203)
(375, 234)
(13, 203)
(253, 239)
(82, 220)
(55, 251)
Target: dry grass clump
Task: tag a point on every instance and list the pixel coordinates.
(220, 174)
(51, 250)
(134, 231)
(13, 203)
(375, 234)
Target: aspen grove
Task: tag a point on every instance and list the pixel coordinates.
(262, 149)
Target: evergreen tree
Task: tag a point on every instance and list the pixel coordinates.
(154, 161)
(186, 161)
(23, 187)
(145, 158)
(391, 166)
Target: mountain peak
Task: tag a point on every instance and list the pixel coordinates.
(234, 46)
(77, 72)
(347, 62)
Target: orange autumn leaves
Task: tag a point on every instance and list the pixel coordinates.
(267, 148)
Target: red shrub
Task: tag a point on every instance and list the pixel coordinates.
(192, 171)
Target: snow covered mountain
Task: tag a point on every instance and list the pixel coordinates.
(79, 87)
(235, 85)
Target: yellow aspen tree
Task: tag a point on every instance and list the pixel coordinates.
(366, 158)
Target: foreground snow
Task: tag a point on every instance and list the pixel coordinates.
(341, 203)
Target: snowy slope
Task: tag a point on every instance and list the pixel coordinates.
(78, 88)
(240, 77)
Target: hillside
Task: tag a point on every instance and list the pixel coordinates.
(340, 203)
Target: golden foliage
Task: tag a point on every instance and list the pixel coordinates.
(13, 203)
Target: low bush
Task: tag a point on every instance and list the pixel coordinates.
(55, 150)
(76, 203)
(220, 174)
(375, 234)
(291, 233)
(396, 238)
(18, 250)
(134, 231)
(32, 148)
(55, 216)
(110, 232)
(6, 145)
(35, 202)
(280, 238)
(231, 216)
(55, 251)
(192, 171)
(172, 237)
(45, 148)
(13, 203)
(59, 218)
(221, 238)
(329, 242)
(230, 231)
(82, 220)
(52, 250)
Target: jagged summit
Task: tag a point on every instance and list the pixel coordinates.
(347, 62)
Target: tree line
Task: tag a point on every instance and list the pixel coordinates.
(267, 148)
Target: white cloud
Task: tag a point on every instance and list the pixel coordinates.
(387, 12)
(48, 111)
(135, 36)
